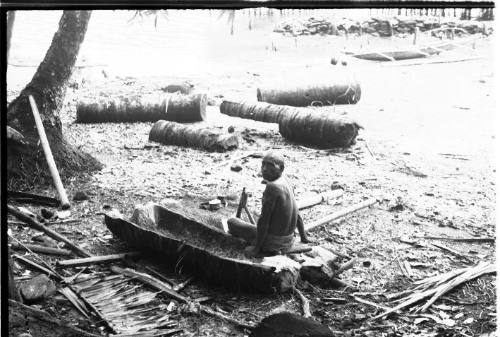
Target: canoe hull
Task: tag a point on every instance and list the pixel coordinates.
(236, 274)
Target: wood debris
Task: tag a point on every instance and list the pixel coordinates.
(438, 285)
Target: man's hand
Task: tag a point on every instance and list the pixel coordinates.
(251, 251)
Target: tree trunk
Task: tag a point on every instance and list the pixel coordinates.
(11, 15)
(48, 87)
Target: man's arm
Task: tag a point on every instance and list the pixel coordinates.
(300, 227)
(268, 203)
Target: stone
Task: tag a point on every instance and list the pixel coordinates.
(80, 196)
(37, 289)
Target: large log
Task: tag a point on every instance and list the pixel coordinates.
(306, 126)
(147, 108)
(319, 128)
(202, 250)
(340, 91)
(171, 133)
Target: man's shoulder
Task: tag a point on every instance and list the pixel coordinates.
(277, 184)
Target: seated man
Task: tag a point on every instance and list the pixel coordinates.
(279, 216)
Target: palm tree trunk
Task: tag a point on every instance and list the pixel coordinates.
(48, 87)
(11, 15)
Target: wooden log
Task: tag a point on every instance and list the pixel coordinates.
(319, 128)
(48, 156)
(340, 214)
(51, 233)
(33, 198)
(147, 108)
(306, 126)
(311, 200)
(481, 239)
(95, 259)
(341, 91)
(257, 111)
(171, 133)
(41, 249)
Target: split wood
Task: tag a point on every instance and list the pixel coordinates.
(436, 286)
(95, 259)
(41, 249)
(482, 239)
(51, 233)
(184, 284)
(154, 333)
(48, 155)
(340, 214)
(155, 283)
(304, 302)
(453, 252)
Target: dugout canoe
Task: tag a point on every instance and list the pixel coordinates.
(201, 249)
(410, 52)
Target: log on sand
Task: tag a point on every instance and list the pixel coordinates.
(171, 133)
(306, 126)
(343, 91)
(148, 108)
(201, 250)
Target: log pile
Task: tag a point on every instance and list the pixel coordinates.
(148, 108)
(399, 26)
(171, 133)
(306, 126)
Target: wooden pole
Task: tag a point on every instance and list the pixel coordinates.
(53, 234)
(340, 214)
(95, 259)
(41, 249)
(48, 155)
(319, 198)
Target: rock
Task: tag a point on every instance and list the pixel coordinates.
(287, 324)
(236, 168)
(37, 289)
(230, 129)
(46, 213)
(80, 196)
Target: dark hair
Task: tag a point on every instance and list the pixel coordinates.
(276, 158)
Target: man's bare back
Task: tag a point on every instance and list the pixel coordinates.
(279, 216)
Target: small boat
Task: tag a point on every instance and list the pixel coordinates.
(413, 52)
(202, 249)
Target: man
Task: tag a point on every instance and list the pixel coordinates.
(279, 215)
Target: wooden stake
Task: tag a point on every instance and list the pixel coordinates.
(95, 259)
(48, 155)
(340, 214)
(53, 234)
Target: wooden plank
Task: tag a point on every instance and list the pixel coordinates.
(309, 201)
(95, 259)
(340, 214)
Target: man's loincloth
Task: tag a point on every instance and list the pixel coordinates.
(275, 244)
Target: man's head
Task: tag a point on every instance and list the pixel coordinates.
(273, 165)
